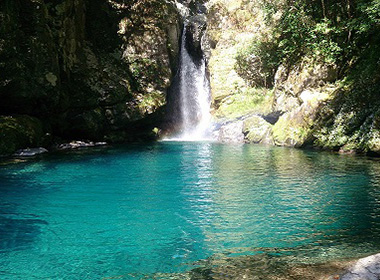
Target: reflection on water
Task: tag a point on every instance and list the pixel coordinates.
(168, 208)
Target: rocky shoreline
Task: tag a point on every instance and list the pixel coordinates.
(73, 145)
(364, 269)
(264, 267)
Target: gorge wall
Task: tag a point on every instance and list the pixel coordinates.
(297, 73)
(80, 69)
(288, 73)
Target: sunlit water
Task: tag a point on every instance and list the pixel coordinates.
(139, 211)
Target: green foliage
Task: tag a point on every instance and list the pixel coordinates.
(322, 44)
(19, 132)
(150, 102)
(300, 32)
(258, 63)
(293, 29)
(331, 32)
(243, 102)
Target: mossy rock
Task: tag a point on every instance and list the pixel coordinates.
(374, 142)
(19, 132)
(293, 129)
(257, 130)
(243, 102)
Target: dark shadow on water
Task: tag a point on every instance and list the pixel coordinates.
(18, 228)
(18, 234)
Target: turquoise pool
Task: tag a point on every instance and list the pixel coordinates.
(144, 211)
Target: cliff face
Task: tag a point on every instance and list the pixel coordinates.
(84, 69)
(292, 73)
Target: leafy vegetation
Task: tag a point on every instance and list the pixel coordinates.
(342, 35)
(19, 131)
(258, 63)
(332, 32)
(243, 102)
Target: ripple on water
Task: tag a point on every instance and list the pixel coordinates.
(190, 210)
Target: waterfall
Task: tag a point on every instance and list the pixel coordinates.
(194, 94)
(190, 111)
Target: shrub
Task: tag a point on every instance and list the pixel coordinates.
(257, 63)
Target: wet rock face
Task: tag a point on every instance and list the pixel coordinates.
(195, 30)
(20, 131)
(77, 65)
(194, 16)
(194, 6)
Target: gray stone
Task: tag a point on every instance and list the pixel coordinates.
(285, 102)
(195, 31)
(257, 130)
(231, 132)
(364, 269)
(280, 76)
(80, 144)
(30, 152)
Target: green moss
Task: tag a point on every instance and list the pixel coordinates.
(292, 130)
(243, 102)
(150, 102)
(352, 123)
(19, 132)
(257, 130)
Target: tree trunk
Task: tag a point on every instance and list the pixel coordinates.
(324, 8)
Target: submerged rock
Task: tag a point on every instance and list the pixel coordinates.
(267, 267)
(30, 152)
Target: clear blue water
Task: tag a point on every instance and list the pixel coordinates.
(134, 212)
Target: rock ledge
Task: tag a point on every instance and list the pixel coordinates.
(30, 152)
(364, 269)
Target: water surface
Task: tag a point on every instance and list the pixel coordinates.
(139, 211)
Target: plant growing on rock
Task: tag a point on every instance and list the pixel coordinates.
(258, 63)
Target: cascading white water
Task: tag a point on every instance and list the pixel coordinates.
(194, 94)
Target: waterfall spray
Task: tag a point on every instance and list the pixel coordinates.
(188, 115)
(194, 94)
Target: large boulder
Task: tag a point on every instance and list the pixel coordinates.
(257, 130)
(231, 132)
(364, 269)
(304, 75)
(293, 129)
(300, 93)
